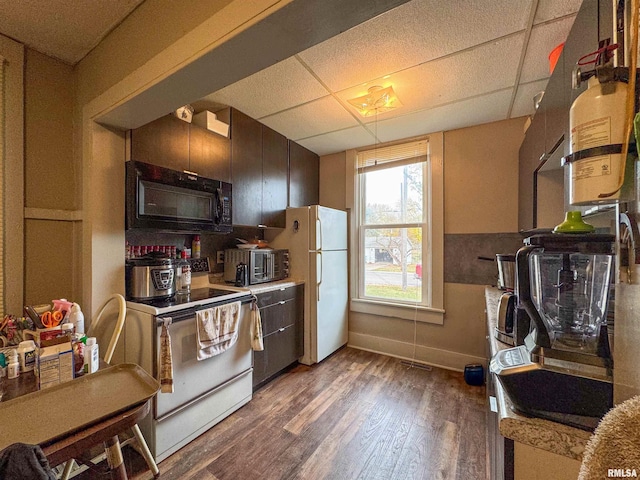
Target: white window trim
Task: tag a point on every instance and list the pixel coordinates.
(435, 312)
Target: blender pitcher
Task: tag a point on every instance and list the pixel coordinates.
(565, 287)
(571, 293)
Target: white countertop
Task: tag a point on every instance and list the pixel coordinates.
(544, 434)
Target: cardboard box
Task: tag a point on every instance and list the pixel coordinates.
(55, 362)
(209, 121)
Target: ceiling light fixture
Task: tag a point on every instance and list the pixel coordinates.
(376, 100)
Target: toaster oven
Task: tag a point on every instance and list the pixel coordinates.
(260, 265)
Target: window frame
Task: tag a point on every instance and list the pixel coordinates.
(425, 286)
(431, 309)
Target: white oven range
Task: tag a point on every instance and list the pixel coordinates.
(205, 392)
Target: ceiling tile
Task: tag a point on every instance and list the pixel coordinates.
(411, 34)
(320, 116)
(279, 87)
(552, 9)
(452, 78)
(523, 103)
(339, 141)
(66, 29)
(474, 111)
(544, 38)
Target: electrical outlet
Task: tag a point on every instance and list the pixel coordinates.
(219, 257)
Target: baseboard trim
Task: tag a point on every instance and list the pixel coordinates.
(404, 351)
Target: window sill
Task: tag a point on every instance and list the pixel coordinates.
(396, 310)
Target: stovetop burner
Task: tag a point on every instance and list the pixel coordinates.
(196, 295)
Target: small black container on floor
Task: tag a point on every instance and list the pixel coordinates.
(474, 374)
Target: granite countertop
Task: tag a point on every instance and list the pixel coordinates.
(536, 432)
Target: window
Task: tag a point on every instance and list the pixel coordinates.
(398, 238)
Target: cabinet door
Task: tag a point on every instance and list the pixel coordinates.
(304, 176)
(246, 169)
(275, 181)
(583, 39)
(278, 316)
(280, 350)
(530, 152)
(209, 154)
(555, 105)
(163, 142)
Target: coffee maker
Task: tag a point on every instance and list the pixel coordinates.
(563, 370)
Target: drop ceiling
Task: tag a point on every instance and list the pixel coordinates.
(452, 64)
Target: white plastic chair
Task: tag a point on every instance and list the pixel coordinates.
(137, 434)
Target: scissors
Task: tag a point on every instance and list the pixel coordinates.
(51, 319)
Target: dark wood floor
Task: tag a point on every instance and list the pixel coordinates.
(357, 415)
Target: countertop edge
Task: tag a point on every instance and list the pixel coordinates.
(536, 432)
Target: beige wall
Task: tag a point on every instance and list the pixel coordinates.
(333, 193)
(49, 169)
(51, 233)
(13, 176)
(480, 195)
(481, 177)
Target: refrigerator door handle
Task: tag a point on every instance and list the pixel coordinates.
(319, 281)
(319, 230)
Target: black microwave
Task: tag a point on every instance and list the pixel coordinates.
(164, 199)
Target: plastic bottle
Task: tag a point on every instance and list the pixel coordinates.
(184, 276)
(77, 318)
(27, 355)
(13, 370)
(91, 356)
(195, 247)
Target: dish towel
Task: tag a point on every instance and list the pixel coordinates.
(256, 328)
(615, 444)
(166, 364)
(217, 329)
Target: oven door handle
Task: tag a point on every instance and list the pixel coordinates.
(191, 312)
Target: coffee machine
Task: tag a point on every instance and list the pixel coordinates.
(563, 369)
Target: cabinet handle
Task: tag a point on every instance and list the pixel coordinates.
(281, 302)
(493, 404)
(281, 329)
(260, 225)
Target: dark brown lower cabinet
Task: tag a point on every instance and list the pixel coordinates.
(282, 313)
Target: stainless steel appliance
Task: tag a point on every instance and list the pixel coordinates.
(164, 199)
(564, 369)
(506, 314)
(205, 392)
(260, 265)
(150, 277)
(506, 271)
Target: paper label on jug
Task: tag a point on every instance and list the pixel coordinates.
(593, 133)
(592, 167)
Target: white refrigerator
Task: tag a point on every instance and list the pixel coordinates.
(316, 237)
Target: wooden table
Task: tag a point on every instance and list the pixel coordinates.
(107, 403)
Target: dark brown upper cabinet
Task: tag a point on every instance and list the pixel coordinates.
(163, 142)
(275, 177)
(246, 169)
(259, 164)
(304, 173)
(209, 154)
(172, 143)
(542, 194)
